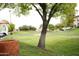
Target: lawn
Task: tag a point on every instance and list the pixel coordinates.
(57, 43)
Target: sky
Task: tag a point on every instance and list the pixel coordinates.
(32, 18)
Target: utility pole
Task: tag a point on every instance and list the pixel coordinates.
(10, 15)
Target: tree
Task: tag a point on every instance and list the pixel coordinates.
(68, 19)
(46, 11)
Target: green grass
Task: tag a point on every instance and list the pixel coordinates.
(57, 43)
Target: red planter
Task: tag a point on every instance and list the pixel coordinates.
(9, 47)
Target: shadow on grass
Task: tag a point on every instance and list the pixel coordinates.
(29, 50)
(60, 48)
(68, 47)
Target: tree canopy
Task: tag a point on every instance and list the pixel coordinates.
(55, 9)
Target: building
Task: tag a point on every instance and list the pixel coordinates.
(76, 22)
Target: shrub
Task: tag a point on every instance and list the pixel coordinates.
(26, 28)
(11, 27)
(51, 27)
(59, 26)
(32, 28)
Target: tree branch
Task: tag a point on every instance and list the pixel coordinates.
(53, 11)
(43, 7)
(37, 10)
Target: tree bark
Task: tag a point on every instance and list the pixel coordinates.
(41, 43)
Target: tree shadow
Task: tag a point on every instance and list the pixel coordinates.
(29, 50)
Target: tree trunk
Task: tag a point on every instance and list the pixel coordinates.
(41, 43)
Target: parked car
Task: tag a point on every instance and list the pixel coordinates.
(3, 30)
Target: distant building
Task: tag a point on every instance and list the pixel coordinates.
(76, 22)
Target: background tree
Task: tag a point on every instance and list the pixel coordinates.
(46, 11)
(11, 27)
(68, 18)
(68, 21)
(59, 26)
(51, 27)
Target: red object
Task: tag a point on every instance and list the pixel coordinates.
(9, 47)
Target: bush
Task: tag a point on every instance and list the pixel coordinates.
(11, 27)
(32, 28)
(51, 27)
(59, 26)
(26, 28)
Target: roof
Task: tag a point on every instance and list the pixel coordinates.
(4, 22)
